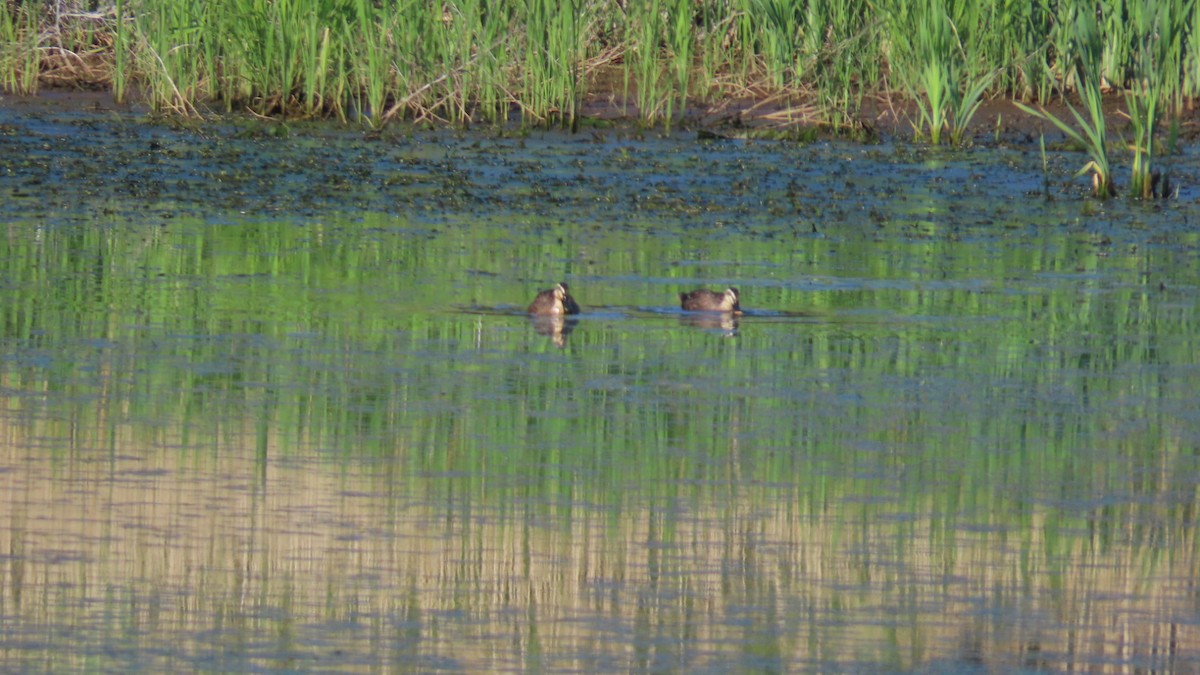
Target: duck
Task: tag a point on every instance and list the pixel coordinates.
(554, 301)
(704, 300)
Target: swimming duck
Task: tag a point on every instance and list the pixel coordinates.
(704, 300)
(555, 300)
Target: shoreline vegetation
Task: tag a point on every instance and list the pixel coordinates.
(928, 66)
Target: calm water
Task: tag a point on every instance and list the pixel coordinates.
(268, 401)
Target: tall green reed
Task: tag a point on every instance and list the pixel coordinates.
(780, 33)
(933, 48)
(368, 64)
(468, 60)
(164, 55)
(1045, 166)
(1189, 87)
(643, 29)
(19, 52)
(314, 67)
(551, 86)
(846, 62)
(1086, 62)
(1011, 41)
(680, 45)
(279, 72)
(121, 48)
(489, 65)
(717, 54)
(1158, 33)
(447, 68)
(424, 50)
(936, 66)
(742, 40)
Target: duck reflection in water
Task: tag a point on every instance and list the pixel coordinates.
(555, 301)
(554, 326)
(726, 322)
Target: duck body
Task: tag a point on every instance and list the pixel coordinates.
(704, 300)
(554, 301)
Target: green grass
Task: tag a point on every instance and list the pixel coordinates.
(1086, 58)
(18, 48)
(1159, 33)
(939, 55)
(470, 61)
(926, 48)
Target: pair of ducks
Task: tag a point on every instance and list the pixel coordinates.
(558, 301)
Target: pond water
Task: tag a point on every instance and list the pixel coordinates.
(269, 401)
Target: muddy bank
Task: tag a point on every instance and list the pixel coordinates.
(998, 121)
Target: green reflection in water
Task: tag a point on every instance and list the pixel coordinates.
(339, 443)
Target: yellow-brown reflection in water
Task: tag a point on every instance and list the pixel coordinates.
(181, 559)
(554, 326)
(716, 321)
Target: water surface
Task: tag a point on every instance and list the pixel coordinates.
(270, 401)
